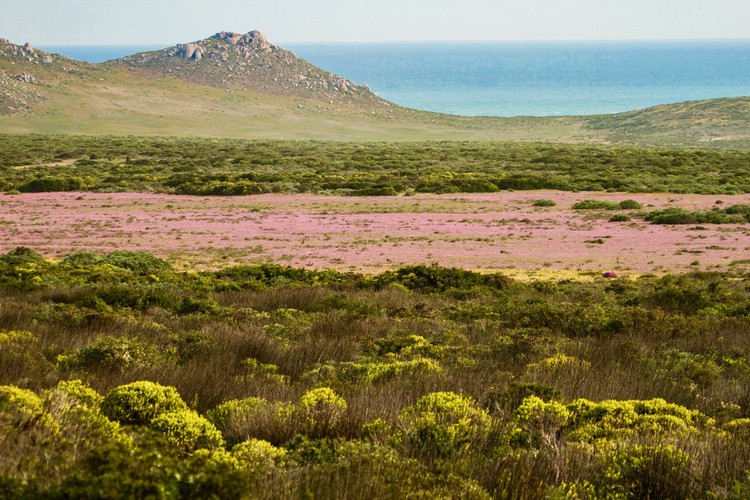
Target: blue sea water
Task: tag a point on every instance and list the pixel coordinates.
(526, 78)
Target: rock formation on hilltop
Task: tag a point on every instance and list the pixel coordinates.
(248, 61)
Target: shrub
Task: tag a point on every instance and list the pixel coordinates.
(373, 372)
(19, 408)
(82, 259)
(610, 419)
(630, 205)
(76, 407)
(242, 419)
(138, 403)
(140, 262)
(321, 409)
(539, 423)
(596, 205)
(49, 184)
(682, 216)
(110, 353)
(514, 395)
(650, 471)
(258, 456)
(619, 218)
(441, 424)
(21, 256)
(741, 209)
(187, 431)
(544, 203)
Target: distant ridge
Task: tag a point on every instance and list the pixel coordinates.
(236, 61)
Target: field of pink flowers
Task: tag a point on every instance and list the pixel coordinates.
(475, 231)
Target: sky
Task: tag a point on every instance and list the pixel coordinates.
(167, 22)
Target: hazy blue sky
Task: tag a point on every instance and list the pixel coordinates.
(48, 22)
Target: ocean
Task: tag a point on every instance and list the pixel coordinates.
(522, 78)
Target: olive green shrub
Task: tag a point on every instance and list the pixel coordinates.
(649, 471)
(187, 431)
(442, 423)
(258, 456)
(320, 410)
(242, 419)
(139, 403)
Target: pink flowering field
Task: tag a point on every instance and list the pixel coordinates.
(500, 231)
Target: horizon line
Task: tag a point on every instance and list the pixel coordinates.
(397, 42)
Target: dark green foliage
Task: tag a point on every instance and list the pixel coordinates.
(630, 205)
(619, 218)
(232, 167)
(441, 279)
(682, 216)
(52, 184)
(738, 209)
(141, 262)
(21, 256)
(544, 203)
(596, 205)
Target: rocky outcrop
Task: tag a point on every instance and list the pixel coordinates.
(254, 39)
(236, 61)
(191, 51)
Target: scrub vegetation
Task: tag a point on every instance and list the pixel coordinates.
(119, 374)
(40, 163)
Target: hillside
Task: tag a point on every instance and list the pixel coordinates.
(241, 86)
(232, 61)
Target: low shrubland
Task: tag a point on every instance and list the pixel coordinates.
(222, 167)
(120, 374)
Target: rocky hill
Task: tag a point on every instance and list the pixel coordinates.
(21, 75)
(235, 61)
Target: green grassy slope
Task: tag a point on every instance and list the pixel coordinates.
(178, 98)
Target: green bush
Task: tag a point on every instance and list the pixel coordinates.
(619, 218)
(140, 262)
(82, 259)
(110, 353)
(321, 410)
(20, 408)
(650, 471)
(682, 216)
(52, 184)
(76, 407)
(741, 209)
(242, 419)
(596, 205)
(187, 431)
(539, 424)
(139, 403)
(630, 205)
(544, 203)
(441, 424)
(589, 421)
(258, 456)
